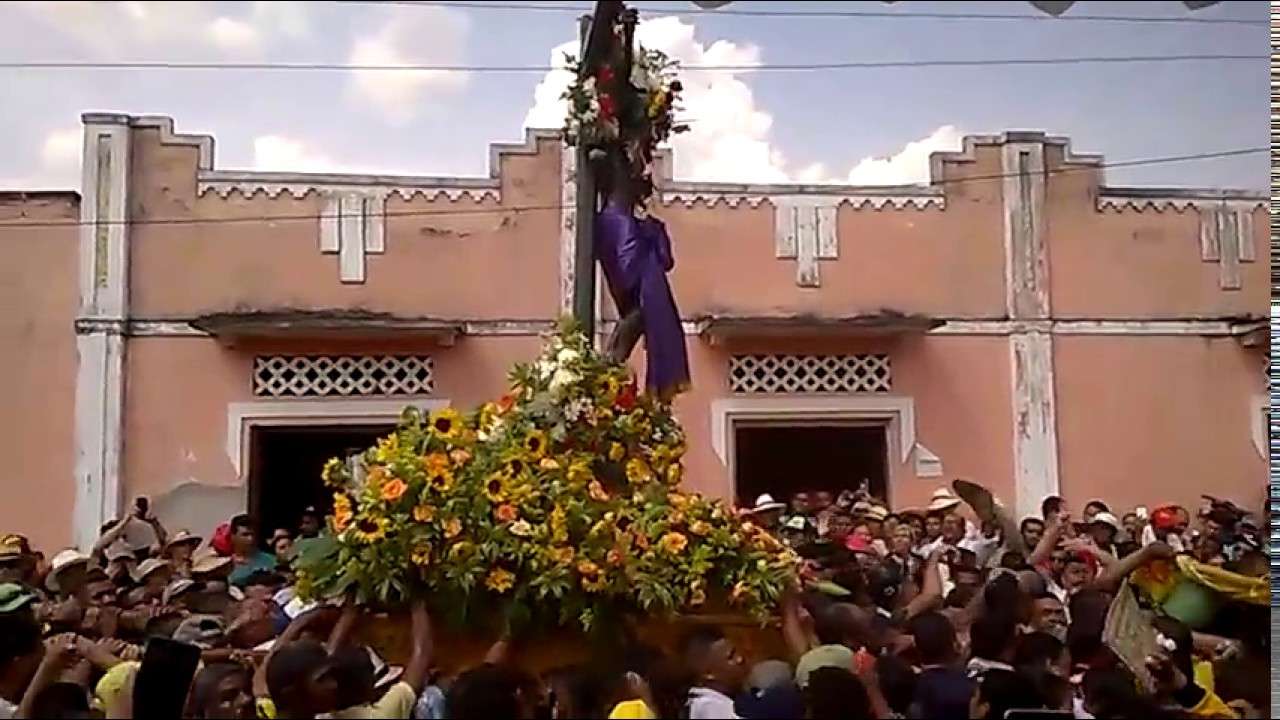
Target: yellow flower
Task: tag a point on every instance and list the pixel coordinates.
(516, 467)
(559, 525)
(521, 528)
(368, 530)
(579, 472)
(638, 471)
(675, 473)
(596, 491)
(678, 500)
(421, 555)
(376, 476)
(435, 462)
(700, 528)
(593, 579)
(506, 513)
(387, 447)
(674, 542)
(561, 555)
(393, 490)
(500, 580)
(616, 451)
(452, 527)
(446, 423)
(334, 472)
(535, 443)
(424, 513)
(495, 488)
(740, 591)
(459, 456)
(342, 512)
(441, 480)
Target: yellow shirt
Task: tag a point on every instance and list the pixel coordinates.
(632, 710)
(395, 704)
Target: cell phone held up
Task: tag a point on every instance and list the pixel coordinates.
(161, 686)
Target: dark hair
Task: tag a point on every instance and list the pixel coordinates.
(961, 596)
(1113, 693)
(1102, 507)
(1003, 596)
(486, 691)
(241, 521)
(834, 692)
(1013, 560)
(204, 689)
(1029, 520)
(1037, 648)
(934, 637)
(291, 666)
(354, 672)
(1003, 690)
(992, 635)
(1051, 505)
(897, 682)
(265, 578)
(19, 635)
(699, 641)
(61, 700)
(585, 689)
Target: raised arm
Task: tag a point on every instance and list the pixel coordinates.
(1113, 575)
(931, 587)
(1049, 540)
(344, 627)
(415, 673)
(797, 639)
(291, 633)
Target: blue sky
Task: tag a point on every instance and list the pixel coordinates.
(749, 125)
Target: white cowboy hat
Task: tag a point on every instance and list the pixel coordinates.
(63, 561)
(942, 500)
(384, 675)
(205, 562)
(1107, 519)
(766, 503)
(183, 537)
(176, 589)
(149, 566)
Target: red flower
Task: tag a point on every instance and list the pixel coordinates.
(626, 397)
(607, 107)
(505, 403)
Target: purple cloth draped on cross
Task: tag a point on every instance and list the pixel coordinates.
(635, 255)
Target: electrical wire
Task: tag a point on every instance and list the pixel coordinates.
(536, 208)
(821, 14)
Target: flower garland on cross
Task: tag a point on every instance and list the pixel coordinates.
(621, 110)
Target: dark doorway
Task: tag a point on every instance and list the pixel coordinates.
(784, 459)
(285, 465)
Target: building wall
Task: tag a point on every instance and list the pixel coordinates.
(1088, 339)
(38, 363)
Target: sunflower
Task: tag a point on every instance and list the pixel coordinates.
(421, 555)
(559, 524)
(495, 488)
(370, 530)
(674, 542)
(452, 527)
(561, 555)
(342, 512)
(500, 580)
(638, 471)
(387, 447)
(506, 513)
(535, 444)
(700, 528)
(516, 467)
(424, 513)
(596, 491)
(446, 423)
(393, 490)
(617, 451)
(580, 472)
(334, 472)
(441, 480)
(593, 579)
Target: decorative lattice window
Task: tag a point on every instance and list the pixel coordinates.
(342, 375)
(809, 373)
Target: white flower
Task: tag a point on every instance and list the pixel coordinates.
(568, 356)
(562, 379)
(546, 368)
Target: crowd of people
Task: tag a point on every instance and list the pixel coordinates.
(953, 610)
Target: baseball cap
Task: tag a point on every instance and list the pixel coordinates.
(838, 656)
(14, 597)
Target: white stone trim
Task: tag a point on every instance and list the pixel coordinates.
(1259, 406)
(805, 230)
(568, 225)
(709, 195)
(104, 294)
(242, 417)
(1025, 251)
(1119, 200)
(1035, 420)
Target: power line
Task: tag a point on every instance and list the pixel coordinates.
(536, 208)
(823, 14)
(515, 69)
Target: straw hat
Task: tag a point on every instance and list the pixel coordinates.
(11, 548)
(150, 566)
(876, 512)
(176, 588)
(62, 562)
(1106, 518)
(942, 500)
(208, 560)
(183, 537)
(766, 503)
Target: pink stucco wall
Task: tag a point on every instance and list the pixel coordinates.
(38, 302)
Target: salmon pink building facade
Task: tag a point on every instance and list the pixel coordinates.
(207, 337)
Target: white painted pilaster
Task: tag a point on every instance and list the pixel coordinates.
(104, 295)
(1035, 418)
(805, 231)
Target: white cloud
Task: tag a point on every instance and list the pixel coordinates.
(422, 36)
(909, 165)
(729, 137)
(282, 153)
(233, 35)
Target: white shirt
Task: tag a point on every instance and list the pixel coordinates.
(707, 704)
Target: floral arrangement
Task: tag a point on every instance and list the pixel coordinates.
(562, 495)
